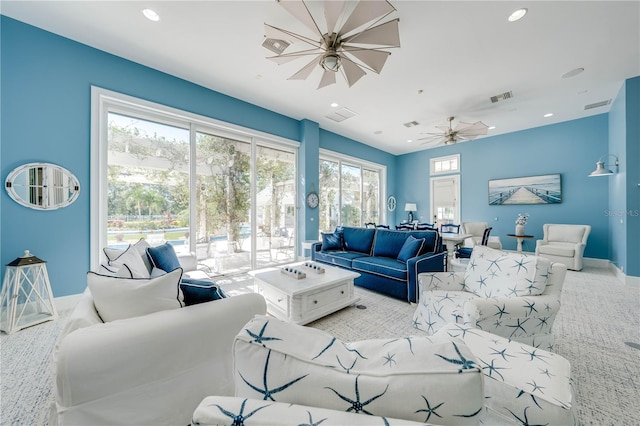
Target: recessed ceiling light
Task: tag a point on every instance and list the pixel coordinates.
(517, 15)
(547, 115)
(492, 127)
(572, 73)
(409, 140)
(334, 105)
(151, 15)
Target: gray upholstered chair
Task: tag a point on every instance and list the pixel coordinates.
(476, 229)
(564, 244)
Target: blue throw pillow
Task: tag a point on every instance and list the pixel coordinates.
(164, 257)
(410, 248)
(200, 291)
(332, 241)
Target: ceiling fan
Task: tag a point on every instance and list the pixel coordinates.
(351, 47)
(462, 132)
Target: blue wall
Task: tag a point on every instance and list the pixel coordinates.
(623, 208)
(569, 148)
(46, 85)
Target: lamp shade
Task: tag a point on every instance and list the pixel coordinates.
(409, 207)
(600, 170)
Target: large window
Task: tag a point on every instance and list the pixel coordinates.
(225, 194)
(351, 192)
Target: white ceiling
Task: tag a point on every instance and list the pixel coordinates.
(458, 54)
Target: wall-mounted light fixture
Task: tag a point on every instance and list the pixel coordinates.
(410, 207)
(601, 169)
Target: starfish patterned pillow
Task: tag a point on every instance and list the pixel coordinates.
(496, 273)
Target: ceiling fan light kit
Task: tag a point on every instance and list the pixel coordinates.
(462, 132)
(352, 47)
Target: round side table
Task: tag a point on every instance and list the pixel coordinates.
(520, 239)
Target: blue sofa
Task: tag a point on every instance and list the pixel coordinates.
(380, 256)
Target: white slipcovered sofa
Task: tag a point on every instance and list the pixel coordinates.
(151, 369)
(564, 244)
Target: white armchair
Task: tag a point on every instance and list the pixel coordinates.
(477, 230)
(513, 295)
(564, 244)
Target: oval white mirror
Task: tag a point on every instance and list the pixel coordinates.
(391, 203)
(42, 186)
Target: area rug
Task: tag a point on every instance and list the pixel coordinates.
(598, 315)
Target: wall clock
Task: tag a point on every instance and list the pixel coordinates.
(391, 203)
(313, 200)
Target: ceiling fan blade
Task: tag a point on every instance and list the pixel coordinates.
(432, 140)
(374, 59)
(472, 129)
(300, 11)
(386, 34)
(332, 11)
(305, 71)
(286, 58)
(366, 11)
(274, 32)
(352, 71)
(328, 78)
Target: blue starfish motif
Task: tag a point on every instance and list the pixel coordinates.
(464, 331)
(430, 324)
(520, 265)
(547, 307)
(238, 419)
(482, 281)
(265, 390)
(389, 359)
(533, 398)
(533, 354)
(546, 372)
(464, 363)
(501, 311)
(495, 263)
(513, 291)
(543, 322)
(530, 305)
(438, 312)
(416, 323)
(333, 340)
(311, 422)
(429, 410)
(493, 274)
(492, 368)
(408, 339)
(535, 386)
(433, 279)
(503, 353)
(497, 324)
(355, 351)
(445, 297)
(259, 338)
(456, 316)
(357, 405)
(472, 265)
(346, 369)
(518, 326)
(525, 422)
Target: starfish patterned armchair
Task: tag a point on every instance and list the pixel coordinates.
(513, 295)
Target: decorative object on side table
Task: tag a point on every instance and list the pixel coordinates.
(521, 221)
(26, 297)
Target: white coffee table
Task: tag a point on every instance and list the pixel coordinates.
(304, 300)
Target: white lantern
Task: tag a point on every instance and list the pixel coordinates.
(26, 297)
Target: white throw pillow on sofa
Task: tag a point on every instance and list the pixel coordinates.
(118, 298)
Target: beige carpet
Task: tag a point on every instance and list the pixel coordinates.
(598, 315)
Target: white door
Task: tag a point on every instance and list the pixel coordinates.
(445, 199)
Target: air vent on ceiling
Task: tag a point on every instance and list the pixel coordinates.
(411, 124)
(341, 114)
(597, 104)
(502, 97)
(275, 45)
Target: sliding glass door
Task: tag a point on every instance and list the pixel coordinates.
(226, 196)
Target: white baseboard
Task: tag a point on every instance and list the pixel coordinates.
(67, 302)
(596, 263)
(624, 278)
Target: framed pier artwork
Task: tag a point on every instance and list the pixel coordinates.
(543, 189)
